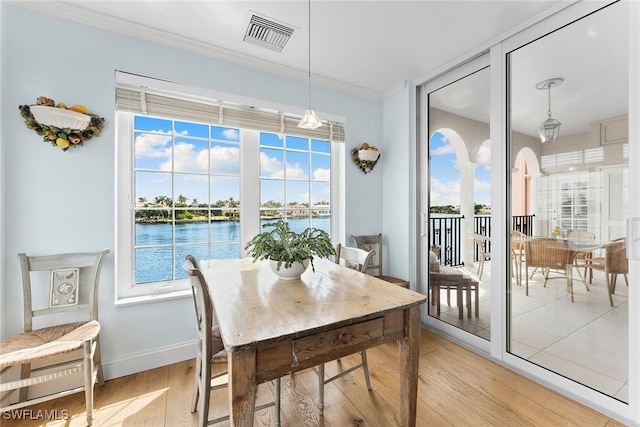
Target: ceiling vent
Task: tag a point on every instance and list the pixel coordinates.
(267, 33)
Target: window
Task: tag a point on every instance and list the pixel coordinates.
(295, 181)
(186, 187)
(191, 186)
(574, 206)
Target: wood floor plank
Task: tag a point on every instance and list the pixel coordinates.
(180, 381)
(456, 388)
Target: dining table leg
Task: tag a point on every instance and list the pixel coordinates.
(242, 387)
(409, 356)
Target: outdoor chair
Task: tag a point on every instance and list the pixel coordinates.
(211, 350)
(484, 252)
(549, 254)
(374, 243)
(613, 263)
(55, 287)
(517, 254)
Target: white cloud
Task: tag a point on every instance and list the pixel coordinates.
(225, 160)
(295, 171)
(445, 149)
(480, 185)
(270, 166)
(321, 174)
(445, 193)
(230, 134)
(152, 146)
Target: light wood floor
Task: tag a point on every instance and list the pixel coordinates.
(456, 388)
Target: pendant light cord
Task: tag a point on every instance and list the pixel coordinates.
(309, 56)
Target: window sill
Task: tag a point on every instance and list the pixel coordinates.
(144, 299)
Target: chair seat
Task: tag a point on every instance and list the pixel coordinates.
(29, 347)
(219, 353)
(394, 280)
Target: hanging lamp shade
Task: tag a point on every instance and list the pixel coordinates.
(550, 128)
(309, 120)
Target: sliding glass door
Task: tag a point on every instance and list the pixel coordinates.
(569, 303)
(456, 201)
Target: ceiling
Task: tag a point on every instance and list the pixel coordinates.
(368, 48)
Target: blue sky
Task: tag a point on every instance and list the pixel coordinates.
(445, 178)
(190, 157)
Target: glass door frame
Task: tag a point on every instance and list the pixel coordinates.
(470, 67)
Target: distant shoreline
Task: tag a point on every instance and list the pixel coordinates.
(213, 219)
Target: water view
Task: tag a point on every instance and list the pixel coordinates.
(156, 260)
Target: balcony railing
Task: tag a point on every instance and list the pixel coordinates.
(444, 234)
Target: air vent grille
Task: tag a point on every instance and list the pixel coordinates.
(266, 33)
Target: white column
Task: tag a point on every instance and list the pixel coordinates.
(534, 180)
(467, 205)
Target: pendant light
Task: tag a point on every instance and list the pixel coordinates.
(309, 120)
(550, 128)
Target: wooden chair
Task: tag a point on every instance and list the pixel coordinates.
(451, 279)
(56, 287)
(613, 263)
(374, 243)
(548, 254)
(211, 350)
(484, 253)
(359, 260)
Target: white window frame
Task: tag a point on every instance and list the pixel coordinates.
(127, 292)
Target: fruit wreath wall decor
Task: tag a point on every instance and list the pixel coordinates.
(366, 156)
(62, 126)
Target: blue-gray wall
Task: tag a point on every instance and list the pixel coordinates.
(55, 201)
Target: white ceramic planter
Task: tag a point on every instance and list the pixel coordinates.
(292, 273)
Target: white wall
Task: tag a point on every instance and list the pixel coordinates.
(57, 201)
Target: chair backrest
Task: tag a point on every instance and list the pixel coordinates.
(371, 243)
(203, 305)
(355, 258)
(517, 238)
(615, 256)
(546, 252)
(482, 244)
(52, 284)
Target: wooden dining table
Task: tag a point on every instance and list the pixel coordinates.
(272, 327)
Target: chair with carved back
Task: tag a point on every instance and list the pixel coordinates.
(211, 350)
(613, 263)
(55, 287)
(357, 259)
(374, 243)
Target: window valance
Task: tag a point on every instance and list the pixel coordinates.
(142, 100)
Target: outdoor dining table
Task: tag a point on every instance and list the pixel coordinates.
(572, 247)
(272, 327)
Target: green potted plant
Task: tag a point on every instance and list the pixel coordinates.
(289, 252)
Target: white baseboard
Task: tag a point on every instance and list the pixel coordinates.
(144, 361)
